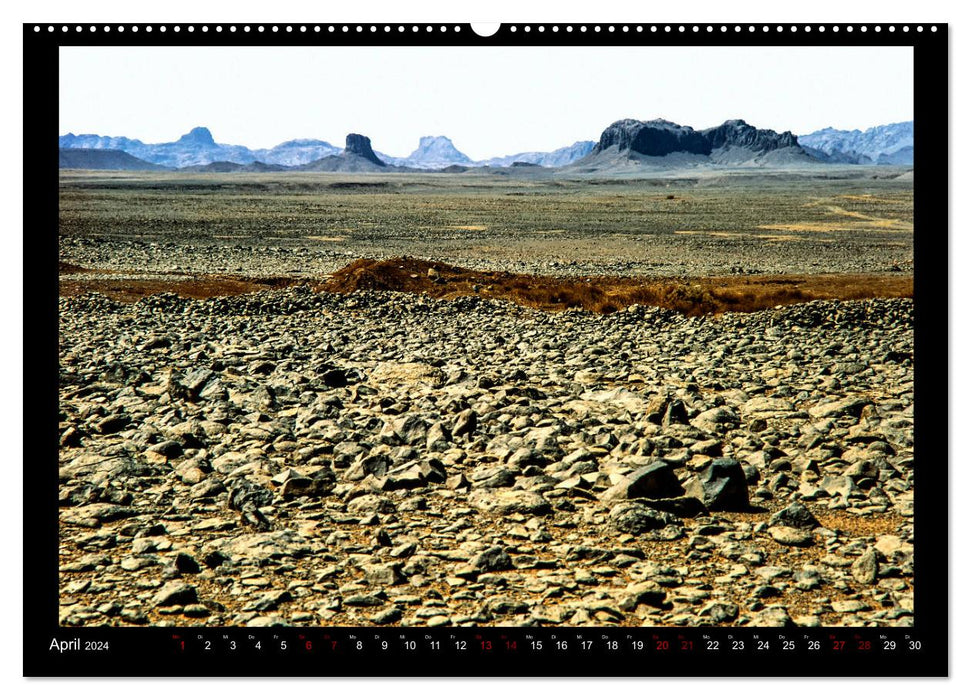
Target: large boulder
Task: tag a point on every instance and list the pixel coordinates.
(656, 480)
(722, 486)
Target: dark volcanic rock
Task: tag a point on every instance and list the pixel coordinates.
(186, 564)
(736, 132)
(795, 515)
(361, 146)
(357, 156)
(654, 138)
(722, 486)
(243, 492)
(659, 137)
(656, 480)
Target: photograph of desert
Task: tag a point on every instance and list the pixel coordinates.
(598, 367)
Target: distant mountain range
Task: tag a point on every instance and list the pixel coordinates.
(624, 144)
(199, 148)
(890, 144)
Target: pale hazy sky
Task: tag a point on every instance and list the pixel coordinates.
(490, 101)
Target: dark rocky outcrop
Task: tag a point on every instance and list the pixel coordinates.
(359, 145)
(736, 133)
(654, 138)
(735, 140)
(357, 157)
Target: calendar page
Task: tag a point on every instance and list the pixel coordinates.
(531, 349)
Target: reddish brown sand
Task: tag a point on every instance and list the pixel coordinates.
(692, 296)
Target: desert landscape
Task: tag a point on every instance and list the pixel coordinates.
(520, 396)
(664, 378)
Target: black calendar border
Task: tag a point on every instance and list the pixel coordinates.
(152, 651)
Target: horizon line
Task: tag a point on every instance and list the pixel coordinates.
(337, 145)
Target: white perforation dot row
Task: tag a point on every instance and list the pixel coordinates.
(374, 28)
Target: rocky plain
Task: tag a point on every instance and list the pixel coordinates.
(299, 457)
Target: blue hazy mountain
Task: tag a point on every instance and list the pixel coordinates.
(194, 148)
(549, 159)
(436, 152)
(199, 148)
(297, 152)
(889, 144)
(433, 153)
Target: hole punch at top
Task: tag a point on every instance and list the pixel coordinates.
(485, 29)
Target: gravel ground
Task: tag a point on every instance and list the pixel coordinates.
(654, 255)
(298, 458)
(833, 220)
